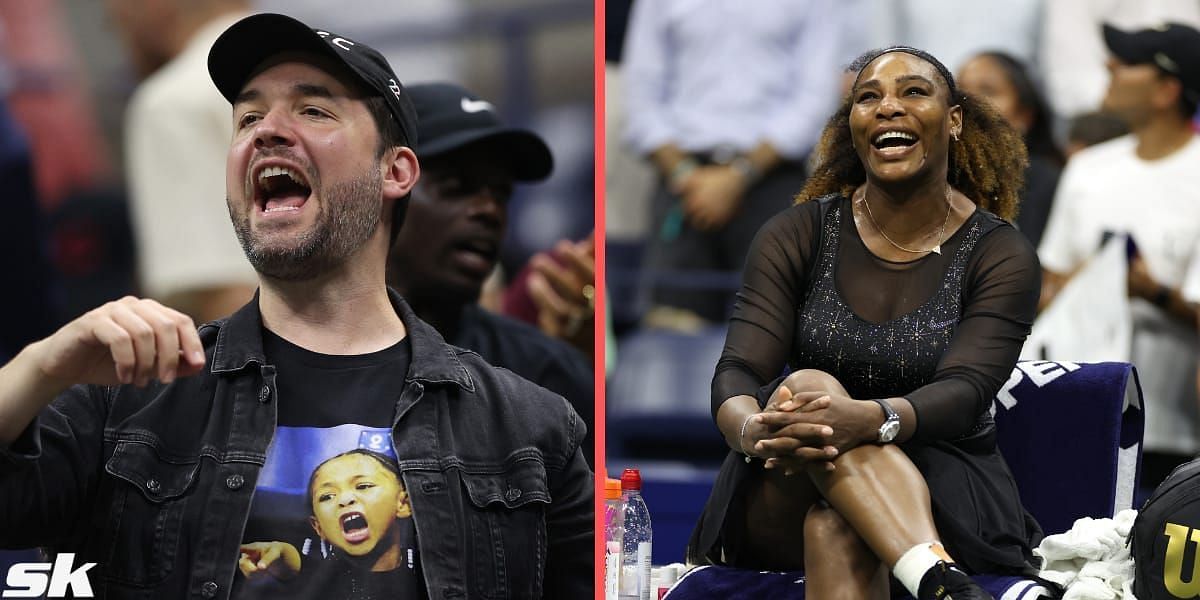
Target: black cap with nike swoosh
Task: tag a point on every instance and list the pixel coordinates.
(450, 117)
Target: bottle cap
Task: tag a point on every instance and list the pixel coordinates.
(612, 488)
(631, 479)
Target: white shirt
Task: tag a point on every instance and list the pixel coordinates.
(954, 31)
(1073, 52)
(177, 134)
(704, 74)
(1191, 283)
(1107, 188)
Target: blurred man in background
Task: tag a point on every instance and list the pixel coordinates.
(726, 102)
(176, 135)
(452, 235)
(1146, 185)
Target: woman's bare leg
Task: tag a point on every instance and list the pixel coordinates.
(883, 496)
(875, 488)
(776, 506)
(840, 564)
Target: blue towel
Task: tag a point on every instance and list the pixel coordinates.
(728, 583)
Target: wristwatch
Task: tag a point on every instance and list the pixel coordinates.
(891, 424)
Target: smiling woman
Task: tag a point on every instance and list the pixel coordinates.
(901, 301)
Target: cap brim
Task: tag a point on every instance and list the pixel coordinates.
(528, 156)
(1124, 45)
(240, 50)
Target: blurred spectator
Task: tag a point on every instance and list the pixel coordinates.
(1008, 85)
(628, 179)
(727, 102)
(451, 238)
(955, 31)
(556, 292)
(1091, 128)
(1073, 53)
(177, 136)
(29, 306)
(49, 99)
(1147, 185)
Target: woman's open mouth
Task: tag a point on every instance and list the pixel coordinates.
(894, 143)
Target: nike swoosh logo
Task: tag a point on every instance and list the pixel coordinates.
(474, 106)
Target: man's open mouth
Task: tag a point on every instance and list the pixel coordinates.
(486, 247)
(354, 527)
(281, 189)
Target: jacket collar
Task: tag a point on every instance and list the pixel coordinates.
(239, 343)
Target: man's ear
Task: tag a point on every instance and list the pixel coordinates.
(400, 171)
(1168, 93)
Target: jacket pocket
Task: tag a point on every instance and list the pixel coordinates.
(506, 516)
(149, 496)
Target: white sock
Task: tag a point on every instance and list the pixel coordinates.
(915, 562)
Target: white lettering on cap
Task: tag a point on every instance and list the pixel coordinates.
(340, 42)
(395, 87)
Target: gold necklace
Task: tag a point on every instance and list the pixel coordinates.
(941, 232)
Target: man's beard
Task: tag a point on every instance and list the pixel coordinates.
(349, 214)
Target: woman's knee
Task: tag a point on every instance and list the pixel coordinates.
(813, 380)
(824, 527)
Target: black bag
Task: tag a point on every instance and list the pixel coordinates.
(1165, 539)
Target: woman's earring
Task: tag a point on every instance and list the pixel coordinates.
(954, 134)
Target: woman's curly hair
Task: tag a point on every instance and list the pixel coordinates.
(987, 163)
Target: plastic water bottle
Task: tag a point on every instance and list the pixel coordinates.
(637, 540)
(614, 519)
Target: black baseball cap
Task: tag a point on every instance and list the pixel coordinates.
(1172, 47)
(450, 117)
(238, 52)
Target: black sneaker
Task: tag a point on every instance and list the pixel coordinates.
(945, 581)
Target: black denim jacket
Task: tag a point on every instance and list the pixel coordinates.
(155, 484)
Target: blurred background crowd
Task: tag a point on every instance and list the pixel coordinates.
(113, 139)
(112, 146)
(712, 115)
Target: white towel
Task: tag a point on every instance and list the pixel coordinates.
(1091, 560)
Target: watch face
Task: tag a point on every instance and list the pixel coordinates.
(889, 430)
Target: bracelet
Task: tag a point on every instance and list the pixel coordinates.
(742, 436)
(682, 169)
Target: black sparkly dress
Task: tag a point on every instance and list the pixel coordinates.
(943, 331)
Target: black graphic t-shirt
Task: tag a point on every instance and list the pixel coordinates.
(330, 517)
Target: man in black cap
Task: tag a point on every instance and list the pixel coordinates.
(1147, 185)
(454, 229)
(173, 463)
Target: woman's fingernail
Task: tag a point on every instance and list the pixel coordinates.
(826, 431)
(786, 405)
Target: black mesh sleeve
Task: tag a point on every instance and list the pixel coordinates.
(999, 305)
(773, 283)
